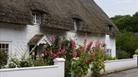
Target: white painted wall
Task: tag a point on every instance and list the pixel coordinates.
(56, 70)
(18, 36)
(118, 65)
(107, 39)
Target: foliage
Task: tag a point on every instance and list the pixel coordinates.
(107, 57)
(78, 58)
(88, 55)
(14, 62)
(136, 51)
(127, 22)
(122, 54)
(3, 58)
(98, 63)
(62, 48)
(126, 43)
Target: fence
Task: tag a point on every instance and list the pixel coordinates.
(123, 64)
(56, 70)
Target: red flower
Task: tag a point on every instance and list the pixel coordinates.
(73, 44)
(78, 54)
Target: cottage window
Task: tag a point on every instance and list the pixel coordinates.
(4, 47)
(108, 52)
(37, 18)
(76, 22)
(109, 27)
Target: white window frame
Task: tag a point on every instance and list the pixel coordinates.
(37, 18)
(75, 25)
(108, 52)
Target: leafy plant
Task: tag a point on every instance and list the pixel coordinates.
(88, 55)
(3, 58)
(136, 51)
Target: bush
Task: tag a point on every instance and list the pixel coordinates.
(3, 58)
(136, 51)
(107, 57)
(122, 54)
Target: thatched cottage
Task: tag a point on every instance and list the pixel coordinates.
(24, 23)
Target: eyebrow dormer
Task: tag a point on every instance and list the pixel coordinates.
(76, 22)
(37, 17)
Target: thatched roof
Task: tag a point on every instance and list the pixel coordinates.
(59, 14)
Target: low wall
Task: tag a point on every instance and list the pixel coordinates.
(118, 65)
(56, 70)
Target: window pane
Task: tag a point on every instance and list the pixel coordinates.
(6, 46)
(2, 46)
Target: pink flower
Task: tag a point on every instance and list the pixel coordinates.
(52, 38)
(63, 50)
(59, 53)
(89, 46)
(53, 55)
(59, 44)
(73, 44)
(85, 42)
(75, 54)
(98, 44)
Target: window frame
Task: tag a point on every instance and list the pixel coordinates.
(9, 46)
(76, 23)
(37, 17)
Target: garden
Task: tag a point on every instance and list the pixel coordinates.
(79, 58)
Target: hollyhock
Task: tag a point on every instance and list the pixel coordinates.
(93, 56)
(62, 50)
(59, 53)
(75, 54)
(59, 44)
(73, 44)
(78, 54)
(85, 61)
(89, 46)
(85, 42)
(98, 44)
(52, 38)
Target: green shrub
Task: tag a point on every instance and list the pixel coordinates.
(3, 58)
(136, 51)
(107, 57)
(123, 54)
(12, 65)
(25, 63)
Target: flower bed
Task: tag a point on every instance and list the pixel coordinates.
(78, 57)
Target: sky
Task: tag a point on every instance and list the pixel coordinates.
(118, 7)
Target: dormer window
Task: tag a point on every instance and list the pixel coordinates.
(37, 18)
(76, 22)
(110, 28)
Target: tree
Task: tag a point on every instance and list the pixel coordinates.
(127, 43)
(126, 22)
